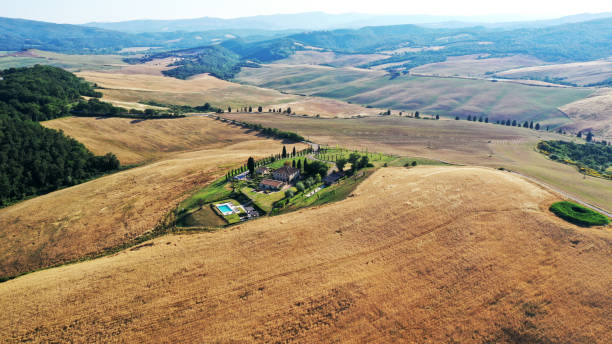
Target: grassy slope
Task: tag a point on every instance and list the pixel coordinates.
(459, 142)
(87, 218)
(446, 96)
(128, 86)
(432, 254)
(135, 141)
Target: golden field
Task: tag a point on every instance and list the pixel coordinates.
(88, 218)
(427, 255)
(592, 113)
(457, 142)
(138, 141)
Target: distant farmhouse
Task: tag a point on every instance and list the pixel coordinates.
(262, 171)
(286, 174)
(272, 185)
(333, 178)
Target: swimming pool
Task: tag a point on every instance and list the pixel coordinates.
(224, 209)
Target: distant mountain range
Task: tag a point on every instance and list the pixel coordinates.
(20, 34)
(323, 21)
(570, 39)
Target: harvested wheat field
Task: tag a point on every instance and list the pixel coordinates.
(457, 142)
(427, 255)
(475, 65)
(593, 113)
(327, 108)
(137, 141)
(141, 84)
(580, 73)
(88, 218)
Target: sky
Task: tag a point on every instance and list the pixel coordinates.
(83, 11)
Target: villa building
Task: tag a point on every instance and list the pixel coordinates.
(286, 174)
(269, 184)
(262, 171)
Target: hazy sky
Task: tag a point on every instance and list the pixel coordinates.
(82, 11)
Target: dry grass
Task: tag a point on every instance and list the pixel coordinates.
(137, 141)
(443, 95)
(580, 73)
(140, 83)
(87, 218)
(70, 62)
(327, 108)
(592, 113)
(428, 255)
(459, 142)
(471, 65)
(329, 58)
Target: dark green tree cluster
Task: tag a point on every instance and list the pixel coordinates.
(273, 132)
(36, 160)
(33, 159)
(41, 93)
(214, 60)
(595, 156)
(252, 165)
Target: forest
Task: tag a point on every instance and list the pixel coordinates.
(35, 160)
(595, 156)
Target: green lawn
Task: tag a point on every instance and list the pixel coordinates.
(219, 189)
(579, 215)
(334, 193)
(262, 200)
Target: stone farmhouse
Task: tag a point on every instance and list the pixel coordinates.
(286, 174)
(271, 185)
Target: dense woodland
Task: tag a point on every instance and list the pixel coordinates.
(596, 156)
(215, 60)
(41, 93)
(33, 159)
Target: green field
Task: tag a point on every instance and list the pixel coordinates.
(211, 193)
(444, 96)
(264, 201)
(578, 214)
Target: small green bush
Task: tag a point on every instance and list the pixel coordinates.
(578, 214)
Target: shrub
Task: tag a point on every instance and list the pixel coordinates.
(579, 215)
(289, 193)
(300, 186)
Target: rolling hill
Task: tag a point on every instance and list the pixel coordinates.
(92, 217)
(430, 254)
(310, 21)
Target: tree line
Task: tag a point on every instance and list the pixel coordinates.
(34, 159)
(272, 132)
(252, 164)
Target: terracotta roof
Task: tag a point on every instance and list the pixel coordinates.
(288, 170)
(273, 183)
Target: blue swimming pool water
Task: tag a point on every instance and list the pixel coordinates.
(224, 208)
